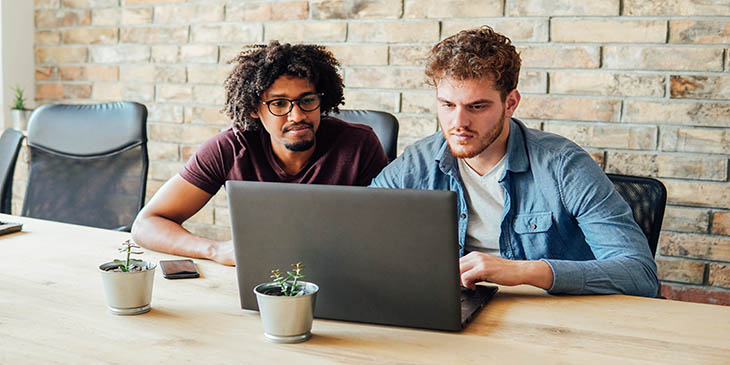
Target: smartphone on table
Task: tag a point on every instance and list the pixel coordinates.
(179, 269)
(7, 227)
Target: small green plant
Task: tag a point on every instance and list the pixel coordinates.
(288, 284)
(129, 264)
(19, 99)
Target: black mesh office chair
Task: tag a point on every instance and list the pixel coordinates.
(385, 126)
(9, 149)
(88, 164)
(647, 198)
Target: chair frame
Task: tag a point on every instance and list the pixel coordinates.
(384, 124)
(10, 143)
(652, 235)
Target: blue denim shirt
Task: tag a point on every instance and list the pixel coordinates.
(559, 207)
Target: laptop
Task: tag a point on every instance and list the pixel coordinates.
(382, 256)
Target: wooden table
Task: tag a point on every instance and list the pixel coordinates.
(52, 310)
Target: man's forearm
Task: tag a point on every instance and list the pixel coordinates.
(163, 235)
(536, 273)
(618, 275)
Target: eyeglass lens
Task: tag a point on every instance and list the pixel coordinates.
(281, 107)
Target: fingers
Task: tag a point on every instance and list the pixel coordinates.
(468, 281)
(467, 262)
(474, 268)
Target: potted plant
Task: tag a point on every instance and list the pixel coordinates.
(128, 283)
(287, 306)
(18, 113)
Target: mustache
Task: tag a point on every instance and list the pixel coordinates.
(462, 130)
(297, 126)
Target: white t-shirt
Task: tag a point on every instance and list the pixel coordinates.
(485, 199)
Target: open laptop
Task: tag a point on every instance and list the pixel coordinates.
(383, 256)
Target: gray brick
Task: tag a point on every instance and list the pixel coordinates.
(702, 140)
(668, 165)
(608, 30)
(409, 55)
(570, 108)
(672, 269)
(698, 194)
(675, 112)
(226, 33)
(675, 7)
(606, 136)
(695, 246)
(452, 8)
(682, 219)
(395, 32)
(416, 125)
(662, 58)
(338, 9)
(710, 31)
(188, 13)
(389, 78)
(554, 56)
(166, 34)
(119, 54)
(371, 99)
(516, 29)
(310, 31)
(607, 83)
(562, 7)
(360, 54)
(419, 102)
(532, 82)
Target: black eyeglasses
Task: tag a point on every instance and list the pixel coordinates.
(282, 107)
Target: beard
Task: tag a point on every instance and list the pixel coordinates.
(300, 146)
(479, 144)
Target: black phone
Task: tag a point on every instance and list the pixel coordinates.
(7, 227)
(179, 269)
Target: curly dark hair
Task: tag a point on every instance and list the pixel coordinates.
(258, 66)
(474, 54)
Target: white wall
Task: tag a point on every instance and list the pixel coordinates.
(16, 54)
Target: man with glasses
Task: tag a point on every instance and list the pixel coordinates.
(278, 97)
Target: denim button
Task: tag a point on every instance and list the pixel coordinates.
(462, 215)
(533, 226)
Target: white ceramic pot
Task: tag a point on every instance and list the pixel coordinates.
(128, 293)
(287, 319)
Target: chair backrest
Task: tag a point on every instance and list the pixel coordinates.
(385, 126)
(9, 149)
(647, 198)
(88, 164)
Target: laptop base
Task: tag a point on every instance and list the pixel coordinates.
(472, 301)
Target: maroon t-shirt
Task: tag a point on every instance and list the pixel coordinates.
(345, 154)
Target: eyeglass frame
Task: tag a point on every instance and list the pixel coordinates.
(291, 103)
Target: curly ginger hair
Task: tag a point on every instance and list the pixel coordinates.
(474, 54)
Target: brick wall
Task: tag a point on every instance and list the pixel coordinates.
(643, 85)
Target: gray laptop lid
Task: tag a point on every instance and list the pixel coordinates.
(381, 256)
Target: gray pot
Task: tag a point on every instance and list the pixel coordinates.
(287, 319)
(20, 117)
(128, 293)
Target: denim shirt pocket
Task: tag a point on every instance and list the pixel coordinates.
(538, 222)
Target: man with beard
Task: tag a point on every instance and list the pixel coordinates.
(278, 97)
(533, 207)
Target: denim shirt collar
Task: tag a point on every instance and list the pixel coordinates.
(516, 161)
